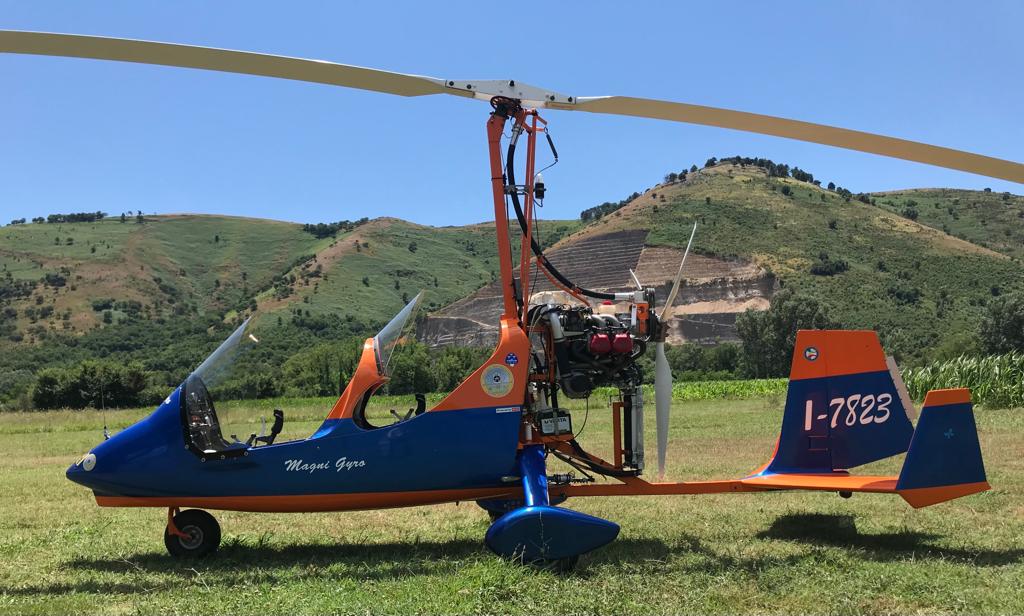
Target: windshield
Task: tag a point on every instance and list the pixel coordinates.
(385, 342)
(217, 372)
(216, 369)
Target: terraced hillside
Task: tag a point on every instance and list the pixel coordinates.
(716, 289)
(917, 285)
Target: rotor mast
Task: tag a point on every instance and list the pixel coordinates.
(495, 128)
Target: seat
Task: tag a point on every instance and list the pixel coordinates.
(274, 429)
(421, 406)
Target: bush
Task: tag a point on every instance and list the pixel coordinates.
(99, 384)
(829, 267)
(768, 337)
(1002, 327)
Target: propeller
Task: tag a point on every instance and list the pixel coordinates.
(318, 71)
(662, 372)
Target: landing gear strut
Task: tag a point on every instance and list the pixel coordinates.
(193, 533)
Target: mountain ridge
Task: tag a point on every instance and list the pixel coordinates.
(882, 261)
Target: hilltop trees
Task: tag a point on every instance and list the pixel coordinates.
(608, 207)
(321, 230)
(75, 217)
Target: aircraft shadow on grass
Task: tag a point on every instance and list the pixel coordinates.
(395, 560)
(840, 530)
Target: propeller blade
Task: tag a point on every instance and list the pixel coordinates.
(226, 60)
(662, 403)
(679, 278)
(636, 280)
(802, 131)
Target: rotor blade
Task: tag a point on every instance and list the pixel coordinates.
(679, 277)
(662, 403)
(801, 131)
(209, 58)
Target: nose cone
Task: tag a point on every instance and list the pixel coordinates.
(136, 458)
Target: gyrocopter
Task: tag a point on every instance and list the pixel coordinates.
(489, 440)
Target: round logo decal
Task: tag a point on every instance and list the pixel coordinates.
(810, 353)
(89, 461)
(497, 381)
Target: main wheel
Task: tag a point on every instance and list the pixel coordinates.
(202, 535)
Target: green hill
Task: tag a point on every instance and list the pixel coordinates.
(166, 290)
(919, 266)
(988, 219)
(919, 287)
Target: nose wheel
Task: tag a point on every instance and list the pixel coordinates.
(192, 533)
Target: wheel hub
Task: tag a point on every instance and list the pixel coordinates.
(194, 537)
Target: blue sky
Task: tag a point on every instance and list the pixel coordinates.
(87, 135)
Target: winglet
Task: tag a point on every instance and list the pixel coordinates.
(944, 458)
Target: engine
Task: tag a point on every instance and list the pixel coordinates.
(590, 350)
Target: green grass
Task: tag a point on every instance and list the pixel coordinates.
(779, 553)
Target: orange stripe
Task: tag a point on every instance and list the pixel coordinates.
(922, 497)
(311, 502)
(831, 482)
(638, 487)
(942, 397)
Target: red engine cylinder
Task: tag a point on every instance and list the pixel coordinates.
(622, 343)
(600, 344)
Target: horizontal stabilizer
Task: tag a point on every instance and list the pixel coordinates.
(944, 460)
(832, 482)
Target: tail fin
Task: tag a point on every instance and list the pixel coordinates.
(944, 460)
(843, 406)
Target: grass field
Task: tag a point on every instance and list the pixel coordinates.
(781, 552)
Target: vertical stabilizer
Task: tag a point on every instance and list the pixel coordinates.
(944, 461)
(843, 406)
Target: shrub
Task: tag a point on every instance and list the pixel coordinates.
(768, 337)
(1002, 328)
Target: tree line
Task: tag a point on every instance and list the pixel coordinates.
(321, 230)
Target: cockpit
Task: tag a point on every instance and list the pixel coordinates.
(202, 427)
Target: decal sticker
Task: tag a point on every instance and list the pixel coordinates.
(341, 464)
(89, 461)
(497, 381)
(511, 359)
(810, 353)
(507, 409)
(856, 409)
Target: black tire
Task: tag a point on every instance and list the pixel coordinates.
(203, 535)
